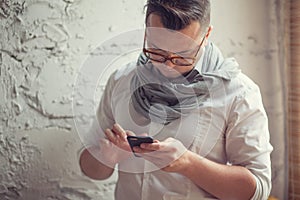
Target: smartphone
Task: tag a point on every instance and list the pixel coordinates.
(136, 141)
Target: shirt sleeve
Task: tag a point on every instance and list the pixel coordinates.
(247, 139)
(103, 118)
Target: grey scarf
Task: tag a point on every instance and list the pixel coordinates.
(162, 100)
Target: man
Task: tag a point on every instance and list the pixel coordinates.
(210, 130)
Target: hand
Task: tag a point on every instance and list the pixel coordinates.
(115, 147)
(170, 155)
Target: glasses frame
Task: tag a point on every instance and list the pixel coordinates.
(145, 51)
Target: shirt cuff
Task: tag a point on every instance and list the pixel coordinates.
(259, 193)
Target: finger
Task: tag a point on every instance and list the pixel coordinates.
(155, 146)
(119, 131)
(139, 150)
(110, 135)
(129, 133)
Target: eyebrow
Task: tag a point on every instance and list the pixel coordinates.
(181, 52)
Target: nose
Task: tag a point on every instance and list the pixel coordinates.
(169, 64)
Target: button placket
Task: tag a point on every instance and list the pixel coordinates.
(145, 186)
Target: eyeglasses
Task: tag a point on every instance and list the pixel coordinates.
(176, 60)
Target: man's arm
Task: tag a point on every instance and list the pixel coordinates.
(98, 162)
(222, 181)
(93, 168)
(89, 159)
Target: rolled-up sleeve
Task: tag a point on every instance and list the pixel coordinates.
(247, 139)
(103, 118)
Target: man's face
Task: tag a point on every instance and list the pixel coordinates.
(183, 43)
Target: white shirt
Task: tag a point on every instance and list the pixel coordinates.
(231, 127)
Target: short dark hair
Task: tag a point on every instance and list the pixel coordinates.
(177, 14)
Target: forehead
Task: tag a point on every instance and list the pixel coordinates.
(173, 40)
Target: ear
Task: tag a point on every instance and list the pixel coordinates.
(209, 30)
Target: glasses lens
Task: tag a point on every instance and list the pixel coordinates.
(183, 61)
(154, 56)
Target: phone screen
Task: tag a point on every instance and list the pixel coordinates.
(136, 141)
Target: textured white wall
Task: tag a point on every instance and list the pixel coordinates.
(42, 46)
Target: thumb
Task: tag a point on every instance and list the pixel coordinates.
(129, 133)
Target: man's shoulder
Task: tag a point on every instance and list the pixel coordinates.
(242, 85)
(124, 72)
